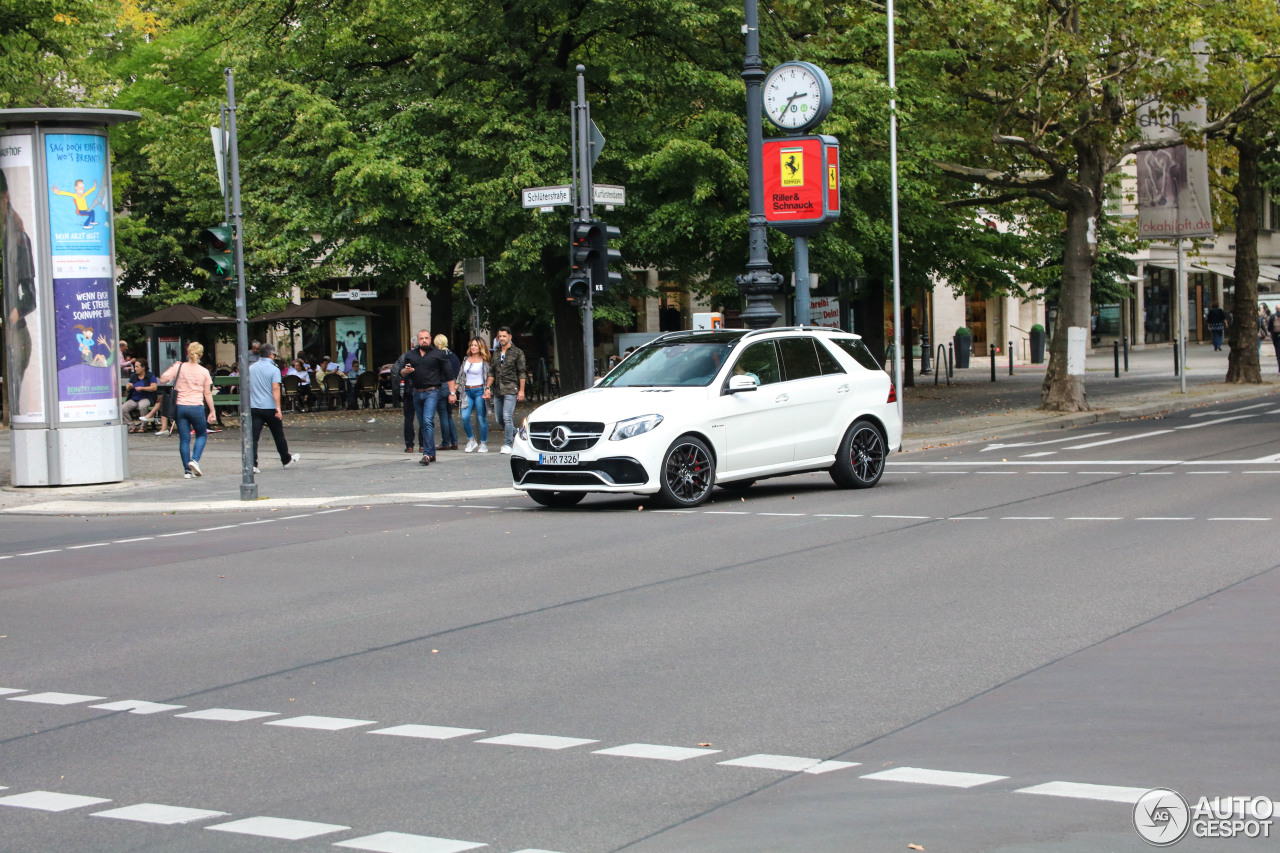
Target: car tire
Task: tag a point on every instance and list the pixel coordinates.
(737, 485)
(556, 499)
(687, 474)
(860, 459)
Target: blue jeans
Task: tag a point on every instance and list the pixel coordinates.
(448, 429)
(504, 406)
(191, 418)
(1217, 336)
(425, 404)
(475, 403)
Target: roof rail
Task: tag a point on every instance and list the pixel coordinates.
(792, 329)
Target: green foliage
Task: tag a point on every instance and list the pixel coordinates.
(963, 331)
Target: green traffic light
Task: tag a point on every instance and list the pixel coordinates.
(218, 260)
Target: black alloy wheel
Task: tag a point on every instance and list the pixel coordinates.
(687, 473)
(860, 460)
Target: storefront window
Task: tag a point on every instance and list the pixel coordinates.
(1157, 292)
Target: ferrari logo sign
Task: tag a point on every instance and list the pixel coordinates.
(799, 200)
(791, 167)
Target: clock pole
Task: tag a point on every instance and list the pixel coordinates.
(759, 282)
(583, 113)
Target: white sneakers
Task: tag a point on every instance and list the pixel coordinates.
(293, 459)
(194, 467)
(483, 448)
(257, 470)
(506, 448)
(472, 444)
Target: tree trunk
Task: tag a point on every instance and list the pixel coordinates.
(1061, 392)
(1242, 363)
(908, 334)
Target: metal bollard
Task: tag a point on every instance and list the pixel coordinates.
(993, 361)
(951, 360)
(943, 365)
(1115, 345)
(1126, 354)
(1011, 359)
(924, 353)
(1176, 360)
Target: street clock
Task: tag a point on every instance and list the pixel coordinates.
(797, 95)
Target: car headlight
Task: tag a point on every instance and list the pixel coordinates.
(523, 432)
(632, 427)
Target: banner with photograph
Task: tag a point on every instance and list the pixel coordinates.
(88, 379)
(1173, 183)
(19, 274)
(84, 293)
(352, 344)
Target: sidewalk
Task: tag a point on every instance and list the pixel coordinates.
(357, 457)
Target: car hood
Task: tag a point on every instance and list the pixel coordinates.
(609, 405)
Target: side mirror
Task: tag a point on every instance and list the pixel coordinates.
(742, 382)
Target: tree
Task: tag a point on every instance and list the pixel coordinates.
(1053, 88)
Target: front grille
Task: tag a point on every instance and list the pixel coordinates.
(615, 471)
(582, 435)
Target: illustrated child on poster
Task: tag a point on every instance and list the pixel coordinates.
(80, 197)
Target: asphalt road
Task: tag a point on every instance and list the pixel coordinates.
(1091, 611)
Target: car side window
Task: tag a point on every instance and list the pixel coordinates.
(827, 360)
(760, 360)
(799, 358)
(859, 351)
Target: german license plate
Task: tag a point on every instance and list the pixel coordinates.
(557, 459)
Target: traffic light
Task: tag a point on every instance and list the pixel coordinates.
(591, 254)
(577, 288)
(603, 256)
(218, 259)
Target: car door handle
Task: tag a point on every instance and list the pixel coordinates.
(843, 389)
(781, 398)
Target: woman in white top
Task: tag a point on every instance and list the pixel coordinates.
(299, 370)
(194, 389)
(473, 380)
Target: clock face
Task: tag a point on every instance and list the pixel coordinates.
(795, 96)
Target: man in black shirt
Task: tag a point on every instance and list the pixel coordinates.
(426, 369)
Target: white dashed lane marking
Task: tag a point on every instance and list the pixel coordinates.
(228, 715)
(159, 814)
(788, 763)
(278, 827)
(1083, 791)
(328, 724)
(537, 741)
(428, 732)
(50, 801)
(56, 698)
(945, 778)
(656, 752)
(400, 842)
(137, 706)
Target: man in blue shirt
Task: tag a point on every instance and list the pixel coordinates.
(264, 404)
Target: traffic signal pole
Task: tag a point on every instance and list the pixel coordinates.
(248, 488)
(582, 112)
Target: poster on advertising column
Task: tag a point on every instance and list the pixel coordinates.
(19, 274)
(83, 285)
(1173, 182)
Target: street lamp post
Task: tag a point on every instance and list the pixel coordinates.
(758, 283)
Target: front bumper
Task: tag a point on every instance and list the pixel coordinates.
(607, 474)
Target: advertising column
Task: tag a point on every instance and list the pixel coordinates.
(62, 376)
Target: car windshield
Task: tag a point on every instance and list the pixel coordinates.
(683, 363)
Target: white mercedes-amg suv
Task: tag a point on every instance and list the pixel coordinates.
(693, 410)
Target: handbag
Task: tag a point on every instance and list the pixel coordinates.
(169, 402)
